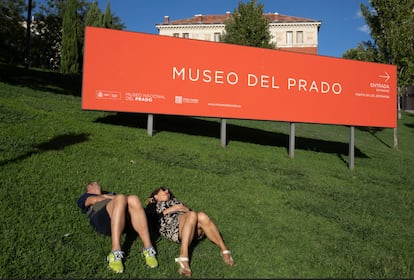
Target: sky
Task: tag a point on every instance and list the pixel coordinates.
(342, 28)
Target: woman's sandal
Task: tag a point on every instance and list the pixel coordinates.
(186, 271)
(229, 261)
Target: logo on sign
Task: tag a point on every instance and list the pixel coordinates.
(104, 94)
(179, 99)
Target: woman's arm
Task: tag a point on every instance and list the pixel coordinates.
(175, 208)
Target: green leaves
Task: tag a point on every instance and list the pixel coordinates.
(248, 26)
(391, 23)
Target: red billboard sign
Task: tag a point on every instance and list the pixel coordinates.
(136, 72)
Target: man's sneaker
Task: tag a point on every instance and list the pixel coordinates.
(115, 261)
(150, 258)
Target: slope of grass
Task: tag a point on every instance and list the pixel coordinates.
(283, 218)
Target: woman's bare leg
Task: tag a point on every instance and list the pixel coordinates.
(187, 227)
(206, 225)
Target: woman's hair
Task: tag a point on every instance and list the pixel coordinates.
(151, 198)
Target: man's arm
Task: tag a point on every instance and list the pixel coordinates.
(96, 198)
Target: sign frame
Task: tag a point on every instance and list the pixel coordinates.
(136, 72)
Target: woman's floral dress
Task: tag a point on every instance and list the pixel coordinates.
(168, 224)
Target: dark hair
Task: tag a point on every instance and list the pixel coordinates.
(151, 198)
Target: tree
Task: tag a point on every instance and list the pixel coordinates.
(108, 17)
(46, 36)
(28, 34)
(94, 15)
(392, 24)
(70, 52)
(365, 51)
(12, 32)
(47, 45)
(47, 39)
(247, 26)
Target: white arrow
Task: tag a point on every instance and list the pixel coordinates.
(387, 76)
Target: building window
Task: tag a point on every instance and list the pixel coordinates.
(299, 37)
(217, 37)
(289, 38)
(186, 35)
(176, 34)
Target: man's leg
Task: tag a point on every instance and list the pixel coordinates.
(140, 225)
(117, 210)
(139, 220)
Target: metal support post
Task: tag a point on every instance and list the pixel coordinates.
(150, 124)
(292, 140)
(351, 147)
(223, 132)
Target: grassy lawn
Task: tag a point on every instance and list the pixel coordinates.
(305, 217)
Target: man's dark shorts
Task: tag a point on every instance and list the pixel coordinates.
(101, 221)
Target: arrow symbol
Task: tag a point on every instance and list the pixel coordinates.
(386, 76)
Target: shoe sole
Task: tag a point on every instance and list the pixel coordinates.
(114, 270)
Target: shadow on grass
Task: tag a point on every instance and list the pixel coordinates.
(130, 236)
(411, 125)
(56, 143)
(410, 115)
(41, 80)
(198, 127)
(373, 131)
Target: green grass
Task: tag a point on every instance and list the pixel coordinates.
(305, 217)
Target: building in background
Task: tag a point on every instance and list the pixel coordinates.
(407, 100)
(289, 33)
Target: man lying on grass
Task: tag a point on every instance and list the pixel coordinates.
(108, 214)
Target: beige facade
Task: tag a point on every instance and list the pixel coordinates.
(288, 33)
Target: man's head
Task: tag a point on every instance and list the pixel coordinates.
(94, 188)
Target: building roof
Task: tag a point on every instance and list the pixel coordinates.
(221, 19)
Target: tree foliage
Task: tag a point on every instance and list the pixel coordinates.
(365, 51)
(94, 15)
(392, 28)
(47, 30)
(108, 17)
(12, 32)
(47, 38)
(70, 52)
(247, 26)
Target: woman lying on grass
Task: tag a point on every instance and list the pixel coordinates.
(179, 224)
